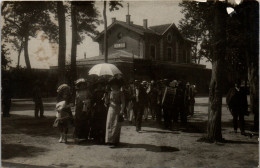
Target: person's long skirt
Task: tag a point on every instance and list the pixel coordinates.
(82, 122)
(130, 111)
(113, 127)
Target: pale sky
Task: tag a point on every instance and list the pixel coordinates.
(44, 54)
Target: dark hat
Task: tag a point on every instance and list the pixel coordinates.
(101, 81)
(114, 80)
(238, 81)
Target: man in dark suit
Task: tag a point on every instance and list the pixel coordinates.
(168, 104)
(37, 98)
(140, 96)
(237, 104)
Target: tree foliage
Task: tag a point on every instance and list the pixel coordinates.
(5, 60)
(230, 42)
(23, 20)
(197, 26)
(113, 5)
(84, 21)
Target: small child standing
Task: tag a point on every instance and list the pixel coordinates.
(62, 121)
(64, 114)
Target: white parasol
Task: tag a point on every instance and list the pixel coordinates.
(104, 69)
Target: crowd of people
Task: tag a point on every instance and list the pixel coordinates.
(162, 99)
(101, 106)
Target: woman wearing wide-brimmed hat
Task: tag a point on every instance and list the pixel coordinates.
(116, 105)
(83, 110)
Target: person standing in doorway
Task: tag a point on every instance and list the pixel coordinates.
(37, 98)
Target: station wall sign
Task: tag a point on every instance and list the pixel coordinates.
(119, 45)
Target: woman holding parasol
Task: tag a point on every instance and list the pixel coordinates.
(116, 104)
(114, 100)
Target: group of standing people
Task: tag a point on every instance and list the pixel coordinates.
(100, 107)
(98, 111)
(162, 99)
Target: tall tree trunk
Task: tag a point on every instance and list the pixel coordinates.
(251, 17)
(19, 53)
(105, 32)
(196, 49)
(26, 54)
(254, 93)
(73, 66)
(62, 41)
(215, 92)
(74, 41)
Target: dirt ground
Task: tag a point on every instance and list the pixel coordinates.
(33, 143)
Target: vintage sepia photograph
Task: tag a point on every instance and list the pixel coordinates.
(130, 84)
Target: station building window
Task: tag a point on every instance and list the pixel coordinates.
(169, 53)
(152, 51)
(169, 38)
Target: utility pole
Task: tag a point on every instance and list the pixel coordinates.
(127, 8)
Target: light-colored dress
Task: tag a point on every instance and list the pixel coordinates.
(62, 115)
(113, 127)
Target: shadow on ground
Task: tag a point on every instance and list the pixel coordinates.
(19, 150)
(160, 132)
(14, 165)
(239, 142)
(21, 124)
(25, 107)
(148, 147)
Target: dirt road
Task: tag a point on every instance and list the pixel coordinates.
(33, 143)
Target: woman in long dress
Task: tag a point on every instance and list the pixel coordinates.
(100, 113)
(116, 107)
(83, 111)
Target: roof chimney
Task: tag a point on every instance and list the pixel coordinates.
(85, 56)
(113, 19)
(128, 19)
(145, 23)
